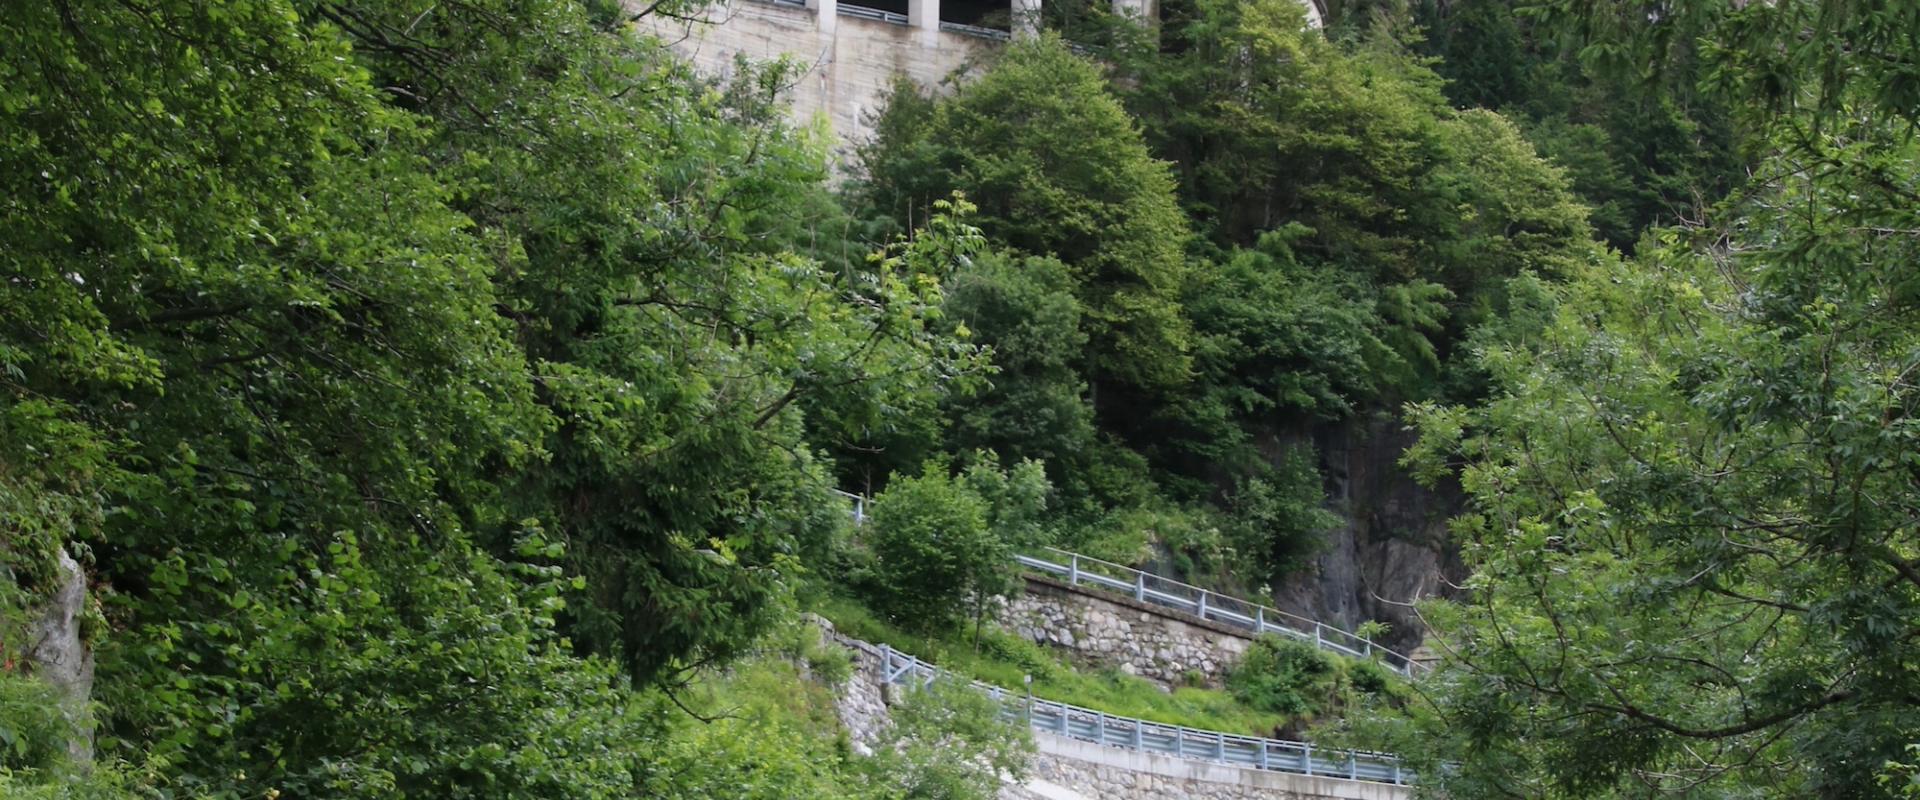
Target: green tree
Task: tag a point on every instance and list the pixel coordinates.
(1351, 155)
(1637, 159)
(647, 268)
(1034, 405)
(943, 543)
(1057, 168)
(1692, 485)
(1690, 531)
(325, 325)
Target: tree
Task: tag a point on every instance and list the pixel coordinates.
(1034, 405)
(345, 343)
(1058, 169)
(1638, 159)
(1693, 485)
(689, 358)
(1693, 494)
(943, 544)
(1350, 157)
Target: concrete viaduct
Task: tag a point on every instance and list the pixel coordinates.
(850, 53)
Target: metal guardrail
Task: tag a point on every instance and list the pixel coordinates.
(1085, 724)
(1147, 587)
(859, 506)
(864, 12)
(1257, 619)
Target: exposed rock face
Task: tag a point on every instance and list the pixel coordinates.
(1393, 548)
(1151, 641)
(57, 653)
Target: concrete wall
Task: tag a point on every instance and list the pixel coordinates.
(1144, 639)
(848, 62)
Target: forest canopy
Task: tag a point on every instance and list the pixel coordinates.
(449, 399)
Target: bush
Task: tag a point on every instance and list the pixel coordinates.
(949, 742)
(1278, 518)
(944, 543)
(1283, 676)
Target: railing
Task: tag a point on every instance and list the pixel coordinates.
(872, 13)
(1079, 570)
(1085, 724)
(859, 506)
(1146, 587)
(975, 30)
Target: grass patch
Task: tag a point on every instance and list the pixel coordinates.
(1004, 659)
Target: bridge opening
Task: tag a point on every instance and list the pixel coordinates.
(996, 15)
(897, 7)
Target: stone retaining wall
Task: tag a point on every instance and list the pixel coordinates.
(1152, 641)
(861, 701)
(1069, 769)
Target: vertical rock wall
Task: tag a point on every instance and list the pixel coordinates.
(1392, 547)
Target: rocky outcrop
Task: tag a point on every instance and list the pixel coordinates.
(57, 652)
(1392, 548)
(1152, 641)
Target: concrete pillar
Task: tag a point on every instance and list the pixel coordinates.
(1026, 19)
(924, 16)
(826, 14)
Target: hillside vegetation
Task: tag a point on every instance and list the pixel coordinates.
(448, 399)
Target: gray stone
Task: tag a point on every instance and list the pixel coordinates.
(57, 653)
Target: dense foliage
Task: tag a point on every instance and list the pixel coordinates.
(1692, 539)
(400, 369)
(1349, 230)
(943, 545)
(447, 399)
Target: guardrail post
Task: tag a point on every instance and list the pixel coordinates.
(1073, 570)
(1317, 640)
(1219, 746)
(1202, 611)
(1140, 586)
(1180, 742)
(1306, 756)
(1100, 728)
(1396, 772)
(1263, 754)
(1259, 620)
(1138, 739)
(1353, 766)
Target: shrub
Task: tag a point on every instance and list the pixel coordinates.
(944, 543)
(1283, 676)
